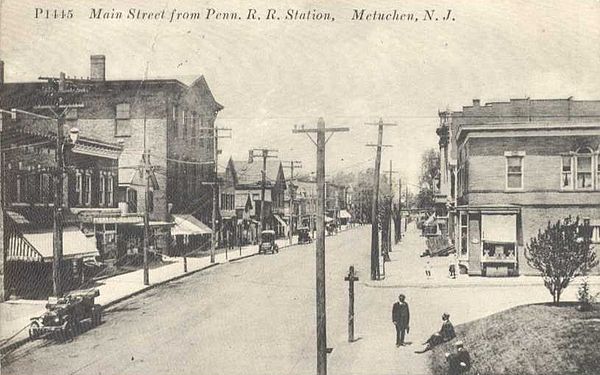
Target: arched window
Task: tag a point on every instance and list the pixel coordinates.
(583, 169)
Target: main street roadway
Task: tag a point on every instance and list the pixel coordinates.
(257, 316)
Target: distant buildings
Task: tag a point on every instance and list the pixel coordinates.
(241, 197)
(507, 168)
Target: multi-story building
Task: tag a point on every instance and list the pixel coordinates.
(117, 121)
(241, 195)
(519, 165)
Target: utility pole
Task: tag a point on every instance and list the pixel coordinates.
(215, 184)
(293, 164)
(264, 153)
(391, 211)
(399, 210)
(406, 197)
(375, 273)
(320, 242)
(146, 179)
(59, 110)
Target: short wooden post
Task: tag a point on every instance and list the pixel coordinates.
(351, 278)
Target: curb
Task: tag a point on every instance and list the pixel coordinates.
(152, 286)
(450, 286)
(242, 257)
(8, 348)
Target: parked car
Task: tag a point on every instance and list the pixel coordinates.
(267, 242)
(64, 317)
(304, 235)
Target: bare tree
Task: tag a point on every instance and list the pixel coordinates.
(560, 252)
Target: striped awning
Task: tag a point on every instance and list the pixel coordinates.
(75, 244)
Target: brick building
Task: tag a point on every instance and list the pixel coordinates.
(507, 168)
(177, 122)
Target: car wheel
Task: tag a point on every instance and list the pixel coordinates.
(67, 332)
(34, 330)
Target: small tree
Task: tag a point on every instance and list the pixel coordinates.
(560, 252)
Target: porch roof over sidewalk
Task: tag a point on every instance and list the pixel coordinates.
(188, 225)
(345, 214)
(75, 244)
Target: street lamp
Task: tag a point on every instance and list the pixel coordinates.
(73, 135)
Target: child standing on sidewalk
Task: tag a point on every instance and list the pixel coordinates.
(428, 269)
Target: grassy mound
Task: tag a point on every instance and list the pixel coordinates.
(530, 339)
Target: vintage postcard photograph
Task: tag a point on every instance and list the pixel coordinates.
(255, 187)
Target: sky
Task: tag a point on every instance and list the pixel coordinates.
(272, 75)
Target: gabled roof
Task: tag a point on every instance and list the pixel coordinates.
(251, 173)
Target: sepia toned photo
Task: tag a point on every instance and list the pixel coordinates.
(251, 187)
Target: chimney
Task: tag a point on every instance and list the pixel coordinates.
(1, 72)
(97, 68)
(476, 102)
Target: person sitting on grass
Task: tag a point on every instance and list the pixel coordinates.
(459, 362)
(446, 333)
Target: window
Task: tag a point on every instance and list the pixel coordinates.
(19, 189)
(201, 132)
(123, 127)
(132, 200)
(109, 190)
(595, 229)
(175, 121)
(194, 125)
(102, 190)
(566, 180)
(514, 172)
(46, 186)
(184, 123)
(79, 188)
(464, 239)
(87, 188)
(584, 168)
(598, 172)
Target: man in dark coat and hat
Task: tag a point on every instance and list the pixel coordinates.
(401, 319)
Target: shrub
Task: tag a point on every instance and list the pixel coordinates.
(560, 252)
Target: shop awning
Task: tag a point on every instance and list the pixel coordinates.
(499, 228)
(280, 220)
(17, 217)
(75, 244)
(187, 225)
(345, 214)
(328, 219)
(118, 220)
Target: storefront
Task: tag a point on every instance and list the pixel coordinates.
(487, 239)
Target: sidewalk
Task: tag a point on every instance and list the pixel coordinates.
(15, 314)
(407, 269)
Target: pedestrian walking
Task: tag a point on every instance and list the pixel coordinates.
(401, 319)
(452, 266)
(428, 269)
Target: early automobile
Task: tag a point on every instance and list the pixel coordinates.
(304, 235)
(267, 242)
(64, 317)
